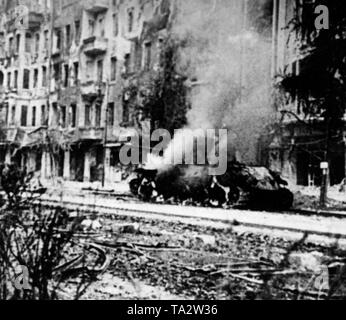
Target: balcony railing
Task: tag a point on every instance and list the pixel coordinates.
(95, 46)
(95, 7)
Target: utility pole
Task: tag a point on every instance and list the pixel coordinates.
(105, 137)
(325, 170)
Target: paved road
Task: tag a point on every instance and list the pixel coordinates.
(325, 226)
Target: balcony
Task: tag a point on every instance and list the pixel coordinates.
(92, 89)
(34, 20)
(96, 7)
(95, 46)
(29, 20)
(90, 134)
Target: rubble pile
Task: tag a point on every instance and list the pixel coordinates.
(202, 263)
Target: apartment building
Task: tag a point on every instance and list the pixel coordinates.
(64, 69)
(298, 148)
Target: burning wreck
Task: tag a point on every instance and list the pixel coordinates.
(241, 186)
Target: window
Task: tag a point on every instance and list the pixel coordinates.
(57, 71)
(26, 79)
(55, 119)
(43, 115)
(18, 43)
(100, 70)
(10, 44)
(87, 115)
(44, 76)
(16, 79)
(46, 39)
(68, 35)
(37, 43)
(89, 73)
(115, 25)
(9, 80)
(33, 117)
(130, 20)
(24, 116)
(66, 73)
(126, 114)
(91, 27)
(28, 43)
(102, 27)
(113, 69)
(35, 78)
(127, 61)
(110, 114)
(63, 116)
(77, 31)
(98, 115)
(13, 115)
(76, 72)
(58, 39)
(73, 115)
(147, 56)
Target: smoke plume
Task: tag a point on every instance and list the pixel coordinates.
(226, 55)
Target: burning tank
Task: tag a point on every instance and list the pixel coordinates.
(242, 185)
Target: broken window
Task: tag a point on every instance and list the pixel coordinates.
(35, 78)
(26, 79)
(24, 116)
(100, 71)
(33, 117)
(77, 31)
(73, 116)
(44, 76)
(76, 72)
(147, 56)
(87, 116)
(113, 69)
(66, 73)
(98, 115)
(110, 114)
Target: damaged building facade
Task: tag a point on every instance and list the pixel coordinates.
(299, 146)
(75, 76)
(65, 78)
